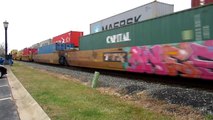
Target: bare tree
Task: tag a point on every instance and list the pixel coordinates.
(2, 50)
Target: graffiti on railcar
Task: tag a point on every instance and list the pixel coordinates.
(185, 59)
(115, 57)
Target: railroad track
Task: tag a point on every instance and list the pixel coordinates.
(174, 81)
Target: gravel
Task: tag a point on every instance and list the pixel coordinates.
(199, 99)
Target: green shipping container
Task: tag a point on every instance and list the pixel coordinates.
(185, 26)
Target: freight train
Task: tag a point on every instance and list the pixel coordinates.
(178, 44)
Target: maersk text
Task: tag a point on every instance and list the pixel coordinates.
(122, 23)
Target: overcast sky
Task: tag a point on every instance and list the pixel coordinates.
(32, 21)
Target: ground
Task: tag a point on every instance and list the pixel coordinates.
(142, 99)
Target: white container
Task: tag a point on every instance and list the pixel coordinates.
(45, 42)
(37, 45)
(141, 13)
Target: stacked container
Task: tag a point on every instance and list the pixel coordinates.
(14, 53)
(29, 51)
(187, 26)
(27, 54)
(45, 42)
(141, 13)
(69, 46)
(72, 37)
(54, 48)
(197, 3)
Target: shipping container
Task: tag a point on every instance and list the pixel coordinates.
(184, 26)
(45, 42)
(19, 55)
(54, 47)
(13, 51)
(14, 54)
(197, 3)
(29, 51)
(27, 54)
(144, 12)
(69, 46)
(72, 37)
(37, 45)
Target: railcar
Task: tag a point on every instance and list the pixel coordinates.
(14, 53)
(179, 44)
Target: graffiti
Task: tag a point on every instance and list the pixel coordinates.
(115, 57)
(184, 59)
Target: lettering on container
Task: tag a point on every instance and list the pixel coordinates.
(206, 32)
(197, 24)
(115, 57)
(122, 37)
(122, 23)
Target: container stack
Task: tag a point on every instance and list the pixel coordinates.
(54, 48)
(71, 37)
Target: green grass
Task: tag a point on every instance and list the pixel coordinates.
(68, 100)
(209, 117)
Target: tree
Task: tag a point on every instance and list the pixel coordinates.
(2, 50)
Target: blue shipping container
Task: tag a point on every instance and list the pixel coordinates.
(51, 48)
(69, 46)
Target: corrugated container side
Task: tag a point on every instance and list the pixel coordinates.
(163, 9)
(63, 38)
(14, 51)
(51, 48)
(142, 13)
(208, 2)
(26, 51)
(47, 49)
(197, 3)
(68, 37)
(60, 46)
(34, 50)
(29, 51)
(37, 45)
(196, 26)
(45, 42)
(75, 38)
(69, 46)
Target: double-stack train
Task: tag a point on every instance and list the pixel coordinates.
(177, 44)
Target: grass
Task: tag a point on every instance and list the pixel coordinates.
(65, 99)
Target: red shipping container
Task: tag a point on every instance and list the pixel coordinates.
(69, 37)
(29, 51)
(25, 51)
(197, 3)
(208, 1)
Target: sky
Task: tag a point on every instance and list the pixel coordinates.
(33, 21)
